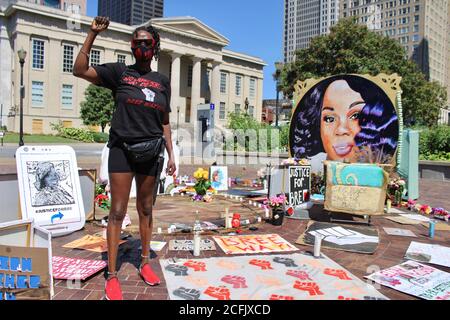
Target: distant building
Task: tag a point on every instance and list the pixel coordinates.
(193, 57)
(269, 108)
(72, 6)
(304, 20)
(422, 27)
(131, 12)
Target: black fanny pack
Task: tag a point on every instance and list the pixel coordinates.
(146, 150)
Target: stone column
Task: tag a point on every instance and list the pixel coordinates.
(196, 87)
(215, 87)
(175, 85)
(154, 64)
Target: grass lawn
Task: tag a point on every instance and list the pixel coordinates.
(11, 137)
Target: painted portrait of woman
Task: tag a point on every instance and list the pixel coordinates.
(347, 118)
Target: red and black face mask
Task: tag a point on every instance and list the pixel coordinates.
(143, 49)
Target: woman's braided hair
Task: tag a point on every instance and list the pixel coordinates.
(155, 36)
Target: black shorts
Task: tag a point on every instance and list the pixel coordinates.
(118, 161)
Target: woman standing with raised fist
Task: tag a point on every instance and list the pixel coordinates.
(140, 131)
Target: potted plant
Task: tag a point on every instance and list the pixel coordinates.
(395, 191)
(276, 203)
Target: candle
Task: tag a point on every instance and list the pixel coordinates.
(259, 205)
(169, 230)
(241, 199)
(250, 202)
(255, 204)
(159, 230)
(259, 219)
(431, 229)
(266, 212)
(196, 244)
(317, 243)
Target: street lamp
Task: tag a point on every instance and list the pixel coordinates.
(278, 68)
(22, 55)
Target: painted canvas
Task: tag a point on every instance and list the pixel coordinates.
(345, 117)
(75, 269)
(263, 277)
(219, 177)
(341, 237)
(415, 279)
(261, 243)
(92, 243)
(188, 245)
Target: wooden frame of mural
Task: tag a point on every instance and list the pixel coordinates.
(389, 84)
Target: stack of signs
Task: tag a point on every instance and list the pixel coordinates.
(415, 279)
(262, 243)
(299, 185)
(188, 245)
(75, 269)
(399, 232)
(429, 253)
(263, 277)
(347, 238)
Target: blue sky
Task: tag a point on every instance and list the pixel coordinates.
(254, 27)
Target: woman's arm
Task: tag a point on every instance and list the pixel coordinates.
(81, 67)
(171, 167)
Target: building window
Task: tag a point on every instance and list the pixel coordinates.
(37, 93)
(252, 87)
(66, 96)
(237, 108)
(415, 38)
(223, 82)
(251, 111)
(38, 54)
(121, 58)
(238, 85)
(190, 76)
(222, 111)
(95, 57)
(67, 58)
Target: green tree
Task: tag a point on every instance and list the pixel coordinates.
(98, 108)
(352, 48)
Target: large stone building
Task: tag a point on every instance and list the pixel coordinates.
(193, 56)
(422, 27)
(73, 6)
(131, 12)
(304, 20)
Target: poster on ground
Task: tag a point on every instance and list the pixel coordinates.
(416, 279)
(261, 243)
(263, 277)
(429, 253)
(65, 268)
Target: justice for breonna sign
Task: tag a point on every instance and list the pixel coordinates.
(299, 185)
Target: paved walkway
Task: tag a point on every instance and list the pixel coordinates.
(389, 252)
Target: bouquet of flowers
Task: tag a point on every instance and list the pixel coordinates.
(102, 201)
(441, 213)
(295, 162)
(276, 202)
(395, 190)
(202, 185)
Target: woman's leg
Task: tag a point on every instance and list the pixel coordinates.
(120, 192)
(144, 204)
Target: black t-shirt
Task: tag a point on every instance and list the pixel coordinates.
(141, 99)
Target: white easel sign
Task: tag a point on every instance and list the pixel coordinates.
(49, 187)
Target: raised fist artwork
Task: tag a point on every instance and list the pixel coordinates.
(237, 281)
(286, 261)
(220, 293)
(187, 294)
(178, 270)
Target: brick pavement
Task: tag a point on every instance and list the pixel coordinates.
(389, 252)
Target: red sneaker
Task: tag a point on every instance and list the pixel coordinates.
(112, 289)
(148, 275)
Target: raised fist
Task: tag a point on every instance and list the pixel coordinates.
(187, 294)
(312, 287)
(220, 293)
(278, 297)
(178, 270)
(341, 274)
(264, 264)
(196, 265)
(99, 24)
(237, 281)
(302, 275)
(286, 261)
